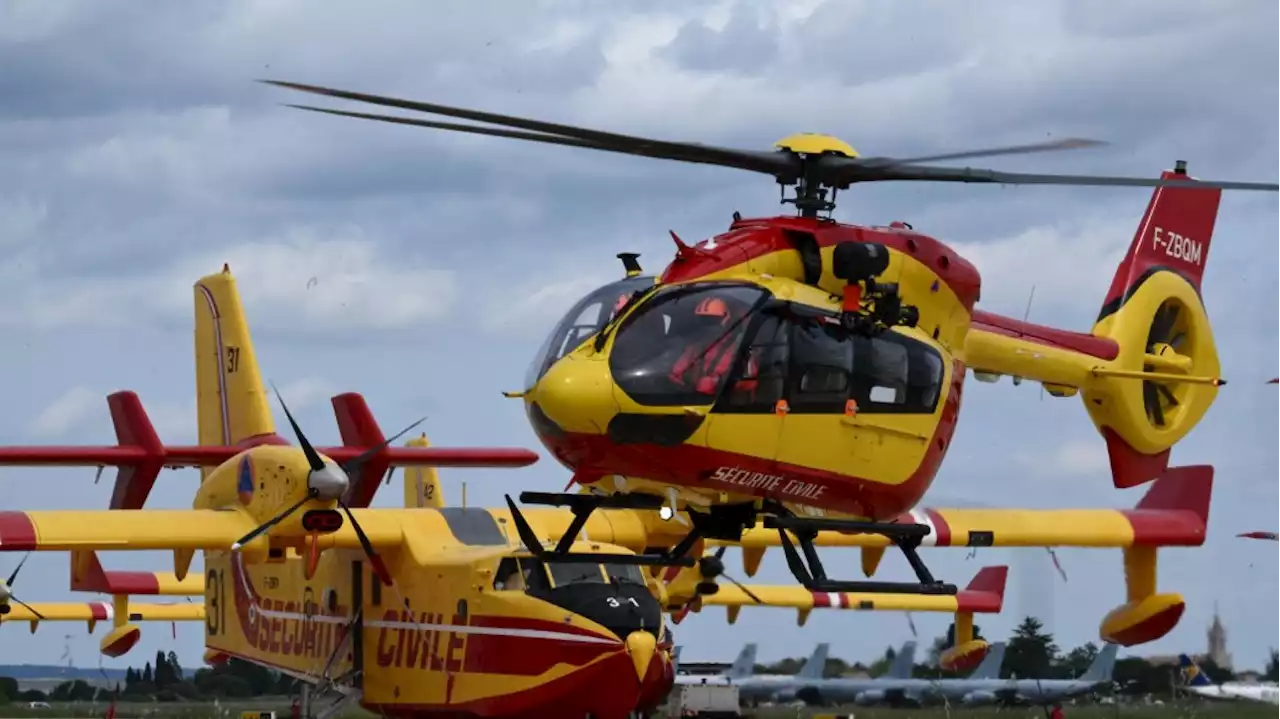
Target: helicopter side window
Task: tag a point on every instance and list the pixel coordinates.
(762, 378)
(587, 317)
(679, 347)
(821, 367)
(897, 374)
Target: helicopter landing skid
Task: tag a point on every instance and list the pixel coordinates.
(808, 570)
(582, 505)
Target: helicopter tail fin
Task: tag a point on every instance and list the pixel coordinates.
(1165, 372)
(231, 403)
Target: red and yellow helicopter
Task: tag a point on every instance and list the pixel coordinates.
(427, 610)
(810, 373)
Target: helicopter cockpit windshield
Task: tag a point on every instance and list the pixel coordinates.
(584, 319)
(679, 347)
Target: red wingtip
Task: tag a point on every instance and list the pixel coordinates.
(985, 592)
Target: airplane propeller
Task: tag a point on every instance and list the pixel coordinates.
(327, 481)
(6, 591)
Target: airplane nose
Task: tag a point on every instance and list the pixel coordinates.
(640, 646)
(576, 395)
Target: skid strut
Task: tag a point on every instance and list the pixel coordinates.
(808, 570)
(582, 505)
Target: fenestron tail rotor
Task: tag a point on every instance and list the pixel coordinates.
(817, 165)
(1165, 339)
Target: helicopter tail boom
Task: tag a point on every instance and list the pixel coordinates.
(1148, 371)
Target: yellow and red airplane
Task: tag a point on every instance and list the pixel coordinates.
(417, 611)
(811, 372)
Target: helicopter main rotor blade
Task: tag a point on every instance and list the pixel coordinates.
(1070, 143)
(786, 166)
(842, 171)
(772, 163)
(512, 134)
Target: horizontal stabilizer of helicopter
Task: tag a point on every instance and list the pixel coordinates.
(1174, 512)
(1149, 370)
(983, 595)
(140, 455)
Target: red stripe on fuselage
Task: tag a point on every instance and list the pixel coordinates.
(752, 238)
(1103, 348)
(17, 532)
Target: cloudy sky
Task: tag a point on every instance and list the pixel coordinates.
(422, 269)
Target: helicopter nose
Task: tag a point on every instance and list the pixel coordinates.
(576, 395)
(641, 646)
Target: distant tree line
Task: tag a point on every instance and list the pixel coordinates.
(164, 680)
(1032, 652)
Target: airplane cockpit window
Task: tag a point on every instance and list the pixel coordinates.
(680, 346)
(566, 573)
(587, 317)
(624, 573)
(520, 574)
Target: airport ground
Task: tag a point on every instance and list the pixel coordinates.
(233, 710)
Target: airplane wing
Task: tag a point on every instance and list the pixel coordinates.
(93, 612)
(122, 529)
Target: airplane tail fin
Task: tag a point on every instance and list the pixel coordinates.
(232, 405)
(1165, 372)
(991, 663)
(904, 662)
(816, 665)
(1192, 675)
(745, 664)
(422, 484)
(1103, 665)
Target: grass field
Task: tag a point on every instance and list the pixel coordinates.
(1087, 711)
(1190, 710)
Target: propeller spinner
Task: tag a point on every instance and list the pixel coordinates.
(328, 482)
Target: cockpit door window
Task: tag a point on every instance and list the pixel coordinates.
(679, 347)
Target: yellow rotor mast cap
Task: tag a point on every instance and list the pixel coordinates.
(812, 143)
